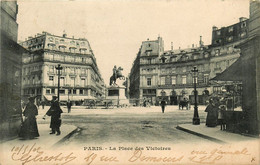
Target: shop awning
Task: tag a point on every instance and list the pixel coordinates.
(232, 73)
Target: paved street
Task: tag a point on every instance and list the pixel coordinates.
(130, 125)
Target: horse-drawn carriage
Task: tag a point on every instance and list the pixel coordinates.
(184, 103)
(94, 103)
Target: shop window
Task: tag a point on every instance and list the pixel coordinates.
(62, 91)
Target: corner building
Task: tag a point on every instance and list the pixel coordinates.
(80, 77)
(158, 74)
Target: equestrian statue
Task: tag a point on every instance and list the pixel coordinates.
(116, 74)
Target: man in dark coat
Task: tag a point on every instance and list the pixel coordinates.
(55, 113)
(163, 103)
(69, 104)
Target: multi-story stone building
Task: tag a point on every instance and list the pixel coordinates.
(80, 77)
(223, 48)
(246, 71)
(10, 72)
(158, 74)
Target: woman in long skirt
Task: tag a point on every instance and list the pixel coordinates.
(29, 129)
(212, 116)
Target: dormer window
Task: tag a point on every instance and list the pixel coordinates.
(230, 38)
(163, 59)
(230, 29)
(242, 35)
(148, 53)
(51, 39)
(243, 25)
(72, 49)
(218, 41)
(82, 43)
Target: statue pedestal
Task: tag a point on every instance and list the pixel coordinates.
(117, 95)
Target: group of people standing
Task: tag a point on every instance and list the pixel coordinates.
(215, 113)
(29, 128)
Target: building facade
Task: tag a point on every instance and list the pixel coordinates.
(158, 74)
(10, 72)
(246, 70)
(80, 77)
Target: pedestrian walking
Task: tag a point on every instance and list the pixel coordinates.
(163, 103)
(69, 104)
(29, 129)
(55, 113)
(144, 102)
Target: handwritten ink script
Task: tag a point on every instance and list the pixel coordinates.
(211, 157)
(34, 154)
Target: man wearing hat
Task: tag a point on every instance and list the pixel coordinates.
(55, 113)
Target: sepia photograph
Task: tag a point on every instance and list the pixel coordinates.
(130, 82)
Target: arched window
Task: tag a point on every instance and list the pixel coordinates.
(163, 93)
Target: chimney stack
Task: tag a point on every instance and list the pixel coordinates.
(201, 42)
(172, 46)
(241, 19)
(64, 34)
(214, 28)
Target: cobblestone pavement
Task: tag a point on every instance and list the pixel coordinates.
(130, 125)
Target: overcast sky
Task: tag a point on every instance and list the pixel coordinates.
(116, 28)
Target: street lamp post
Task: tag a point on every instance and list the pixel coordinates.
(59, 68)
(196, 119)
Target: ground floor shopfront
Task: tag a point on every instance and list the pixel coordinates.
(44, 94)
(174, 96)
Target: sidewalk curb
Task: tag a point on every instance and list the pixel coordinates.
(65, 138)
(201, 135)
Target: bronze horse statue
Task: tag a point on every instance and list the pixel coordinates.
(116, 75)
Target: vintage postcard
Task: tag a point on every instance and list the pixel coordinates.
(129, 82)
